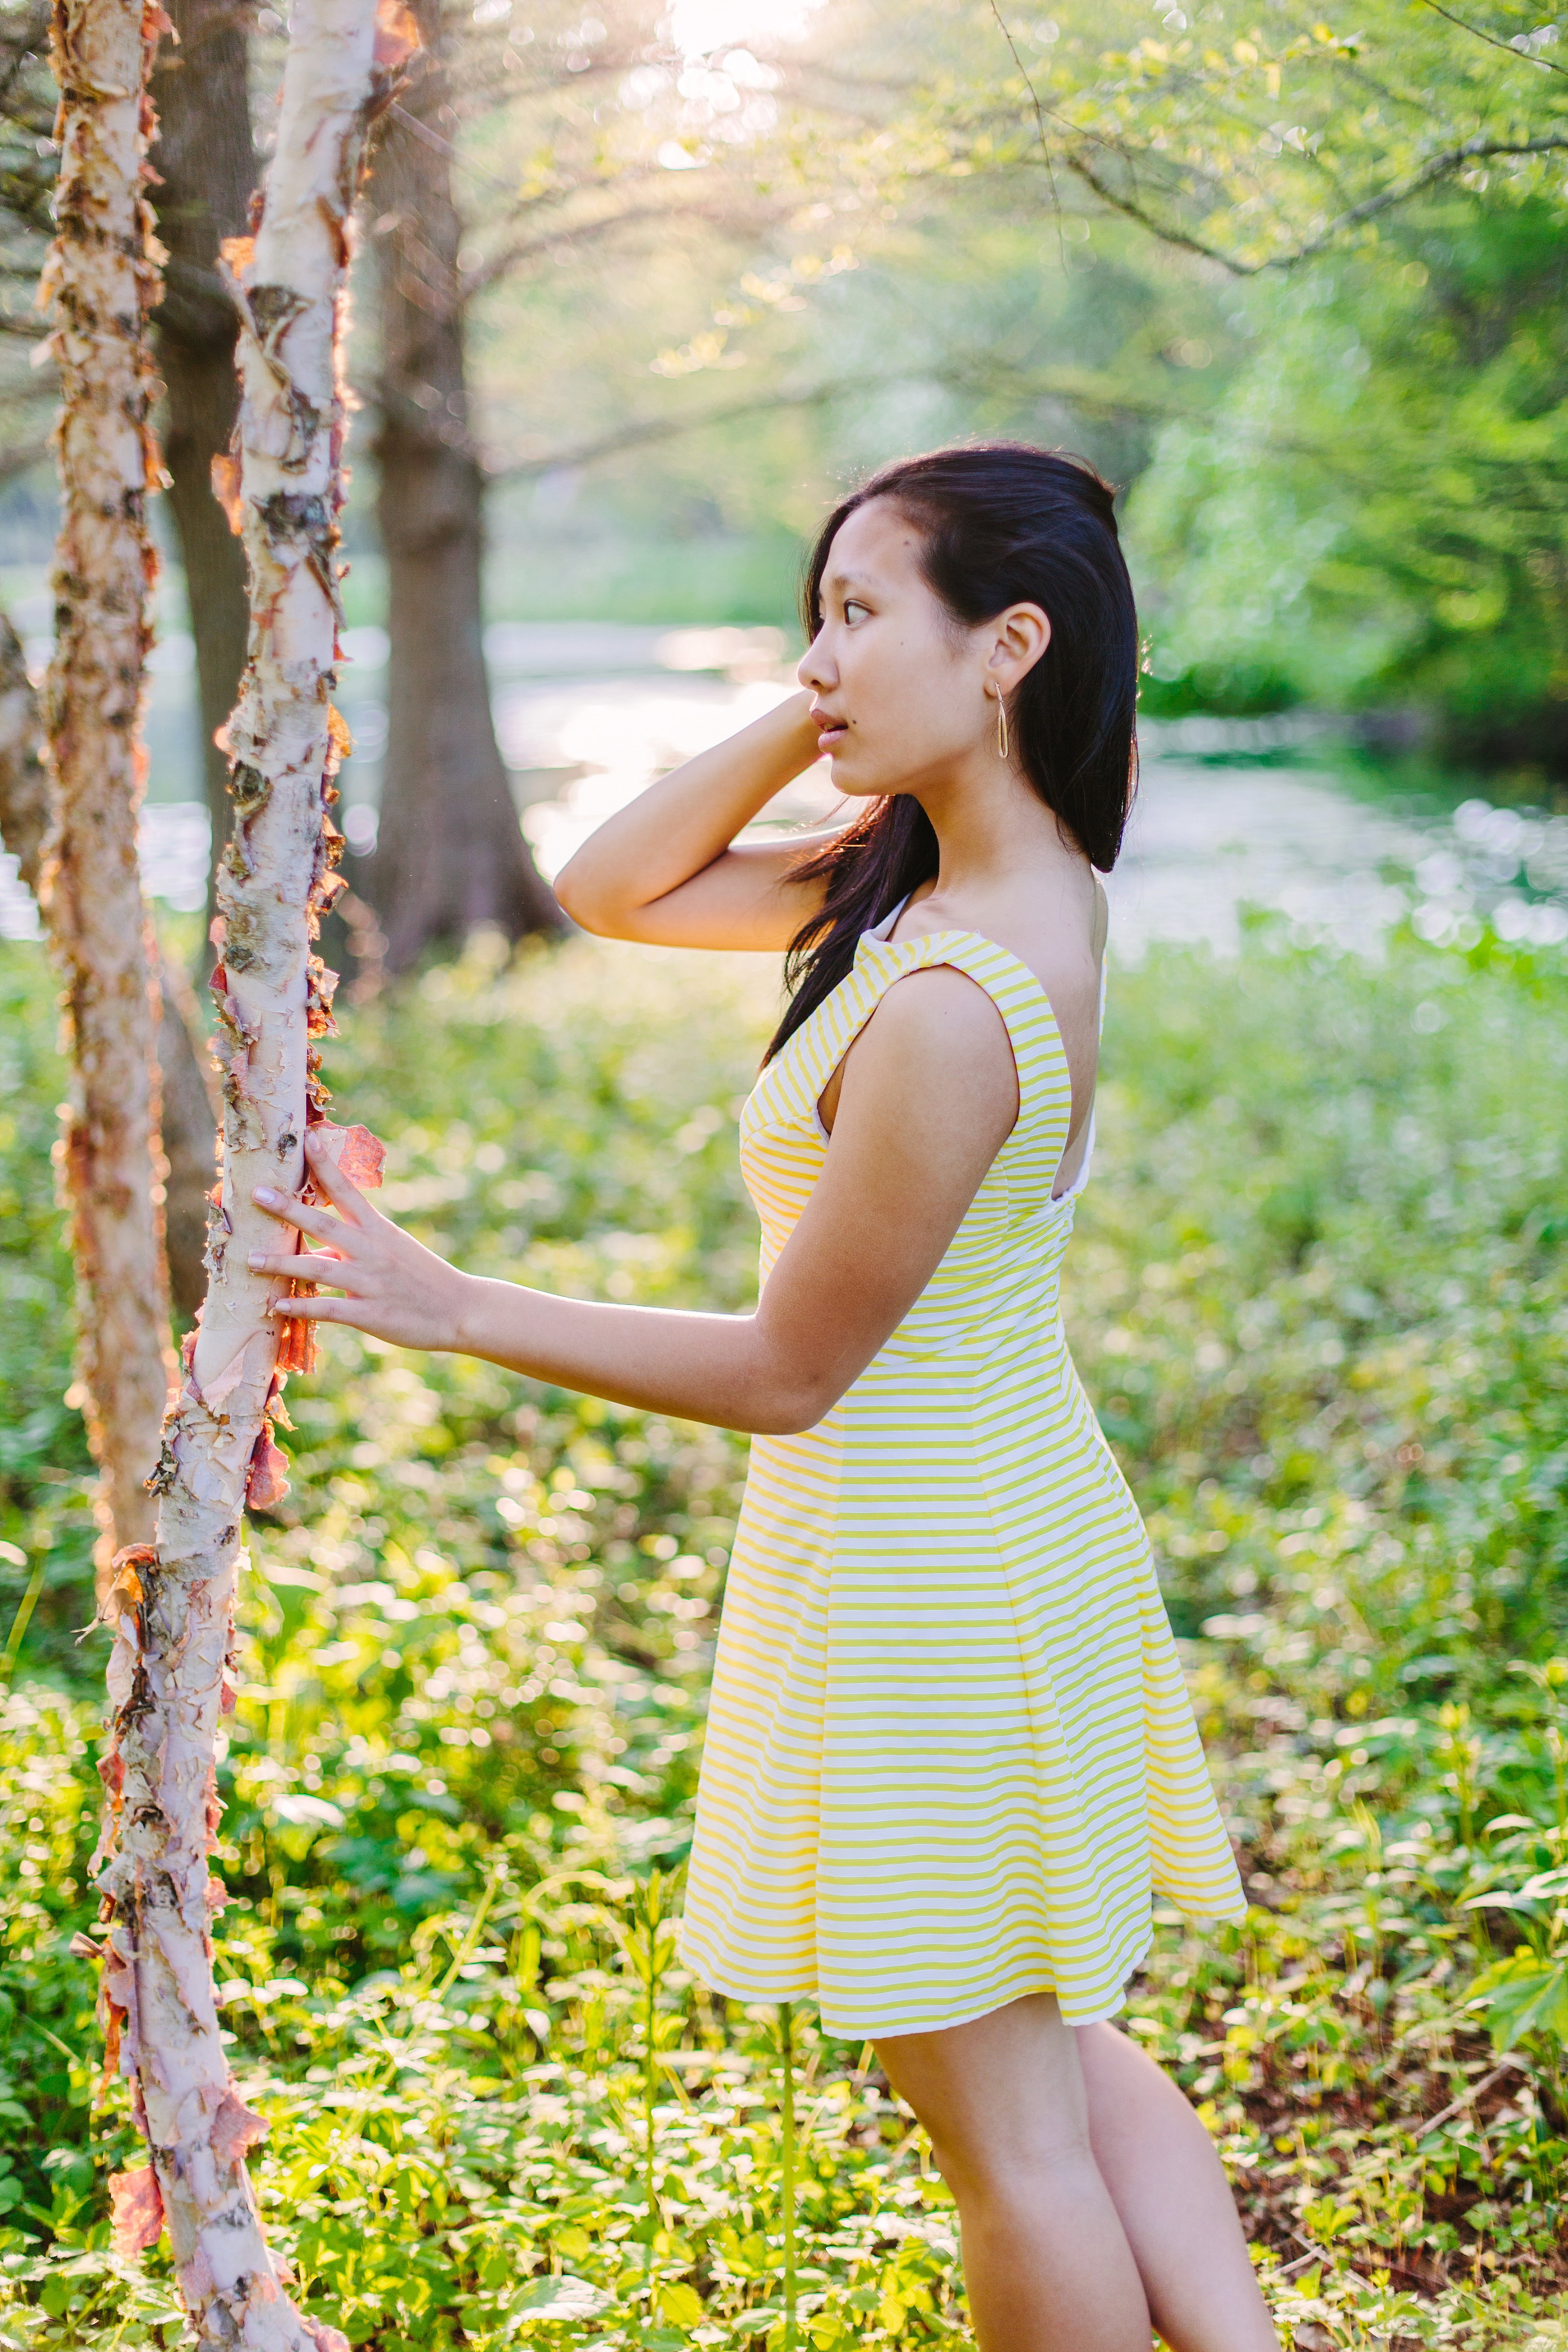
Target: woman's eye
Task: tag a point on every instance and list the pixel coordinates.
(853, 605)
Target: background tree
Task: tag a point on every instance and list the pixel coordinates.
(1373, 511)
(100, 282)
(593, 109)
(206, 166)
(25, 792)
(205, 171)
(449, 854)
(1388, 470)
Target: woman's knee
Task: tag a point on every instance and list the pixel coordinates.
(1016, 2167)
(1027, 2134)
(1002, 2098)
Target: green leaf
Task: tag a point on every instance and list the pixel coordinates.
(681, 2303)
(563, 2297)
(1520, 1995)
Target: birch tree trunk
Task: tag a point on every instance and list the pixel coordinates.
(99, 281)
(171, 1673)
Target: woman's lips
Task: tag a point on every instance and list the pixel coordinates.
(830, 733)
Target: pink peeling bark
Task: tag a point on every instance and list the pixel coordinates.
(172, 1675)
(100, 282)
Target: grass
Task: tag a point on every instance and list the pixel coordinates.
(1319, 1293)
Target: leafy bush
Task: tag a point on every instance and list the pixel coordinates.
(1319, 1293)
(1356, 514)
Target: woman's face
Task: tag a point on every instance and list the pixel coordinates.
(902, 694)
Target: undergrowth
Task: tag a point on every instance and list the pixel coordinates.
(1319, 1293)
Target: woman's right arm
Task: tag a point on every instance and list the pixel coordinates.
(666, 868)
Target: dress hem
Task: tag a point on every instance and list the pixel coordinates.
(860, 2029)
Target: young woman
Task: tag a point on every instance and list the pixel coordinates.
(950, 1752)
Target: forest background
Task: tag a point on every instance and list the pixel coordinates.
(636, 295)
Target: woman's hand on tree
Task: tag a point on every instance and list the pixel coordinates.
(393, 1286)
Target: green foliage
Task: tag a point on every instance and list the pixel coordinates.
(1369, 508)
(1325, 1306)
(1347, 441)
(45, 1518)
(1260, 140)
(1373, 511)
(957, 318)
(1319, 1295)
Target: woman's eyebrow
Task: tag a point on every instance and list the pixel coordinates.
(849, 580)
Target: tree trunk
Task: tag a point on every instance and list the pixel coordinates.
(171, 1675)
(450, 853)
(99, 281)
(207, 163)
(188, 1122)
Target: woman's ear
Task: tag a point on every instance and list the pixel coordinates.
(1022, 634)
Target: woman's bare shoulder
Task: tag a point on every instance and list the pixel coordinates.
(935, 1033)
(939, 1005)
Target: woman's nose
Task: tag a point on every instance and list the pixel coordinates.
(813, 669)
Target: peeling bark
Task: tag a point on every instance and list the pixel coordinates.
(450, 856)
(188, 1119)
(99, 281)
(172, 1674)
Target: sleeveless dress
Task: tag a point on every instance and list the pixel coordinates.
(949, 1753)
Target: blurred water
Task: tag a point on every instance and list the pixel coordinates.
(1205, 841)
(587, 713)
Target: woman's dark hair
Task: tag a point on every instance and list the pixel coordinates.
(1001, 524)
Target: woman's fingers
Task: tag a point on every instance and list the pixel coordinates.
(312, 1310)
(329, 1178)
(324, 1266)
(289, 1210)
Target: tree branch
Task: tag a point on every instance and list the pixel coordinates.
(1438, 167)
(478, 281)
(1480, 33)
(1039, 126)
(1061, 384)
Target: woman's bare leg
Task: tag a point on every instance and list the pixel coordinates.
(1092, 2197)
(1045, 2260)
(1169, 2188)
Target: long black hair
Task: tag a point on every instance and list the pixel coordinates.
(1001, 523)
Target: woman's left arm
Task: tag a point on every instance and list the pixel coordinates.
(930, 1096)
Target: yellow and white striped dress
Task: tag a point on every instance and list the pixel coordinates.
(949, 1753)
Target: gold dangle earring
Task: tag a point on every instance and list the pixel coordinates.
(1001, 725)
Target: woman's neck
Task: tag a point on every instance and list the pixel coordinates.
(994, 833)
